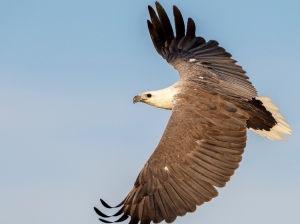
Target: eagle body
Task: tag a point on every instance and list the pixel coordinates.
(212, 104)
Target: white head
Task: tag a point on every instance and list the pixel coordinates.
(159, 98)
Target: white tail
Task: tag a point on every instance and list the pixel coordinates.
(281, 127)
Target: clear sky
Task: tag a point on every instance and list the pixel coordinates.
(70, 134)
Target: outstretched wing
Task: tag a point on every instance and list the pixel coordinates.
(188, 53)
(200, 148)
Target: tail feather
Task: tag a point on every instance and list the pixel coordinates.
(281, 125)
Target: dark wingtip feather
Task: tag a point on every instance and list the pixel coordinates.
(155, 38)
(152, 13)
(100, 213)
(105, 204)
(123, 218)
(102, 220)
(119, 212)
(164, 19)
(191, 28)
(179, 23)
(190, 35)
(157, 25)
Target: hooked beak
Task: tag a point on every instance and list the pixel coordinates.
(137, 99)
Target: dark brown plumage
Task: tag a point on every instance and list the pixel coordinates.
(205, 138)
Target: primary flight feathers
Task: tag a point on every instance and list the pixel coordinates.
(212, 106)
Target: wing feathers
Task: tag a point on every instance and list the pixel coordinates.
(181, 207)
(187, 191)
(190, 35)
(195, 43)
(208, 55)
(138, 195)
(176, 171)
(168, 205)
(100, 213)
(160, 205)
(214, 161)
(195, 185)
(146, 217)
(221, 156)
(210, 44)
(213, 167)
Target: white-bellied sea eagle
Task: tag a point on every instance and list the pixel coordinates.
(212, 106)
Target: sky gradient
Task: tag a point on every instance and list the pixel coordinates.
(70, 133)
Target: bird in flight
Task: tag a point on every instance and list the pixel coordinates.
(212, 106)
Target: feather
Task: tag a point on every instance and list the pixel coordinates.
(150, 187)
(121, 211)
(146, 218)
(162, 175)
(188, 162)
(233, 145)
(190, 35)
(198, 41)
(100, 213)
(168, 205)
(216, 162)
(236, 151)
(134, 215)
(237, 134)
(166, 24)
(213, 167)
(155, 38)
(179, 24)
(130, 196)
(230, 138)
(206, 194)
(154, 214)
(102, 220)
(160, 205)
(209, 175)
(176, 171)
(187, 191)
(157, 25)
(220, 156)
(107, 206)
(123, 218)
(181, 207)
(140, 209)
(197, 175)
(138, 195)
(209, 44)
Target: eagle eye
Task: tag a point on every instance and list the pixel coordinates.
(149, 95)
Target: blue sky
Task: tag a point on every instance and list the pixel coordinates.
(70, 133)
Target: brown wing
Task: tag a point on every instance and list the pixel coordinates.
(200, 149)
(195, 53)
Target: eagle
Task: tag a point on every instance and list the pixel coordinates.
(212, 104)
